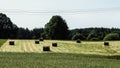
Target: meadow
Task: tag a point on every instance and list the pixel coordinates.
(68, 54)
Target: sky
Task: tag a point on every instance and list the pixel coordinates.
(77, 13)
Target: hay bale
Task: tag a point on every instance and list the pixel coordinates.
(54, 44)
(36, 41)
(46, 48)
(106, 43)
(78, 41)
(41, 39)
(11, 42)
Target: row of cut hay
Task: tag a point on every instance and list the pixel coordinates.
(30, 46)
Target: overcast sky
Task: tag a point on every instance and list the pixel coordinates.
(77, 13)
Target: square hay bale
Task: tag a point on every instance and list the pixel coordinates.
(106, 43)
(11, 42)
(78, 41)
(41, 39)
(37, 42)
(46, 48)
(54, 44)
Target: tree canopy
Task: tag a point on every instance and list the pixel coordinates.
(56, 28)
(78, 36)
(7, 28)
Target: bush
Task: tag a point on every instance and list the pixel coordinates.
(95, 39)
(112, 36)
(78, 36)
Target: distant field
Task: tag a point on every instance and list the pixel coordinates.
(63, 47)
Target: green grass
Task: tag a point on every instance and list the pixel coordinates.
(57, 60)
(2, 41)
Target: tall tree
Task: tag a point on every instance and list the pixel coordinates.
(56, 28)
(7, 28)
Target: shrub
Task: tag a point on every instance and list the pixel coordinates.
(95, 39)
(112, 36)
(78, 36)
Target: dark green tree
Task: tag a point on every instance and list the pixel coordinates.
(92, 34)
(37, 33)
(24, 33)
(56, 28)
(7, 28)
(21, 33)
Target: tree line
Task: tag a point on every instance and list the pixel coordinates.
(8, 30)
(56, 29)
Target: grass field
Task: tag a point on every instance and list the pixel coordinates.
(57, 60)
(68, 54)
(2, 41)
(63, 47)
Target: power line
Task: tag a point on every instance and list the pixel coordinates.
(72, 11)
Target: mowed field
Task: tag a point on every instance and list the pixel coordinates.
(68, 54)
(85, 47)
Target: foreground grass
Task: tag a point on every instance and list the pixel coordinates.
(57, 60)
(2, 41)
